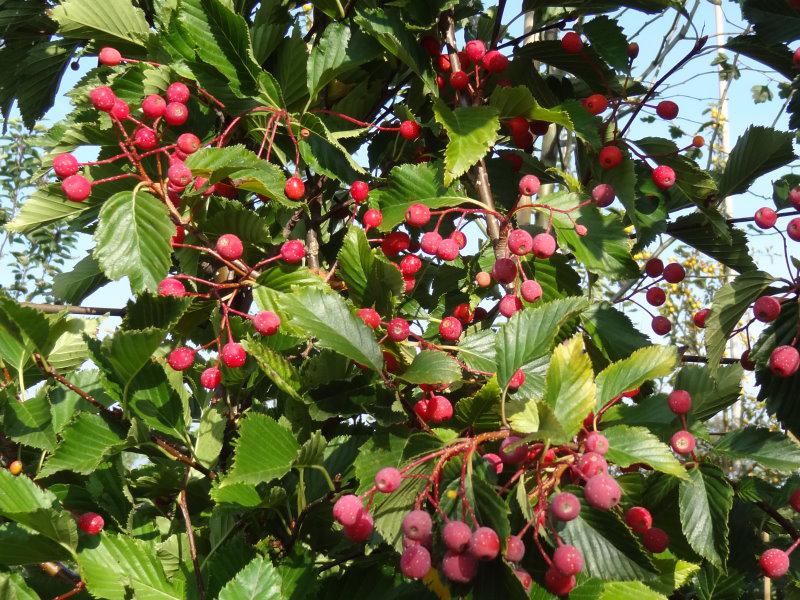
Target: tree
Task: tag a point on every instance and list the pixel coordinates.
(379, 344)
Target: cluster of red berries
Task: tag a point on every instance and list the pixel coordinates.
(680, 403)
(474, 55)
(766, 218)
(640, 521)
(656, 296)
(774, 562)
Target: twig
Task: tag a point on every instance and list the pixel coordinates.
(690, 358)
(201, 592)
(498, 22)
(75, 310)
(115, 414)
(785, 523)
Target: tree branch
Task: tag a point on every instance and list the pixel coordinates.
(75, 310)
(201, 592)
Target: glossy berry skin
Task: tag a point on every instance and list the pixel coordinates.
(415, 562)
(229, 247)
(529, 184)
(110, 57)
(765, 218)
(359, 191)
(610, 157)
(784, 361)
(530, 290)
(429, 243)
(387, 480)
(120, 110)
(517, 380)
(603, 195)
(558, 583)
(76, 187)
(293, 251)
(417, 525)
(179, 175)
(682, 442)
(581, 230)
(483, 279)
(440, 409)
(509, 305)
(418, 215)
(294, 188)
(747, 364)
(398, 329)
(211, 378)
(674, 273)
(544, 245)
(233, 355)
(794, 501)
(181, 358)
(361, 530)
(679, 401)
(421, 409)
(661, 325)
(459, 567)
(793, 229)
(178, 92)
(794, 197)
(475, 50)
(504, 270)
(654, 267)
(655, 296)
(520, 242)
(565, 506)
(596, 104)
(450, 329)
(525, 579)
(347, 510)
(176, 114)
(515, 549)
(568, 560)
(370, 317)
(180, 235)
(395, 243)
(484, 544)
(102, 98)
(170, 286)
(766, 309)
(655, 540)
(664, 177)
(572, 43)
(188, 143)
(91, 523)
(153, 106)
(699, 318)
(639, 519)
(633, 50)
(15, 468)
(266, 322)
(512, 451)
(591, 464)
(463, 313)
(596, 442)
(459, 80)
(447, 250)
(456, 536)
(145, 138)
(372, 218)
(410, 130)
(667, 110)
(602, 492)
(65, 165)
(774, 563)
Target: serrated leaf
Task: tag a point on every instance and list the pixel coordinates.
(45, 206)
(480, 412)
(712, 390)
(277, 369)
(372, 281)
(69, 350)
(612, 331)
(630, 373)
(29, 422)
(587, 65)
(264, 451)
(774, 21)
(113, 21)
(130, 351)
(770, 449)
(569, 385)
(85, 444)
(432, 366)
(758, 151)
(704, 500)
(340, 49)
(84, 279)
(148, 310)
(43, 67)
(21, 546)
(630, 445)
(776, 56)
(696, 231)
(13, 587)
(152, 398)
(259, 580)
(210, 435)
(477, 350)
(716, 584)
(471, 130)
(608, 40)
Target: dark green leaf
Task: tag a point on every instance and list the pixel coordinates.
(705, 499)
(758, 151)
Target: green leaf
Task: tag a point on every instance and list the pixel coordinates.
(471, 130)
(712, 390)
(758, 151)
(480, 412)
(523, 418)
(608, 40)
(153, 399)
(43, 67)
(477, 350)
(148, 310)
(340, 49)
(729, 304)
(21, 546)
(371, 279)
(774, 21)
(390, 509)
(130, 351)
(776, 56)
(770, 449)
(705, 499)
(731, 250)
(432, 366)
(13, 587)
(264, 451)
(231, 216)
(44, 206)
(133, 239)
(716, 584)
(69, 349)
(628, 590)
(529, 334)
(630, 373)
(112, 21)
(29, 422)
(210, 435)
(612, 331)
(587, 65)
(569, 385)
(84, 279)
(630, 445)
(85, 444)
(329, 319)
(259, 580)
(277, 369)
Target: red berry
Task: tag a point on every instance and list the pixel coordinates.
(484, 544)
(700, 317)
(591, 463)
(520, 242)
(784, 361)
(655, 296)
(76, 187)
(655, 540)
(395, 243)
(513, 159)
(421, 409)
(109, 57)
(504, 270)
(766, 309)
(188, 143)
(294, 188)
(572, 43)
(230, 247)
(509, 305)
(747, 364)
(179, 175)
(602, 492)
(633, 50)
(459, 80)
(154, 106)
(463, 313)
(794, 197)
(418, 215)
(176, 114)
(459, 238)
(431, 45)
(664, 177)
(568, 560)
(410, 130)
(515, 549)
(639, 519)
(429, 243)
(674, 273)
(495, 462)
(410, 265)
(171, 287)
(347, 510)
(544, 245)
(387, 480)
(661, 325)
(439, 409)
(266, 322)
(361, 530)
(359, 191)
(120, 110)
(475, 49)
(654, 267)
(145, 138)
(102, 98)
(91, 523)
(557, 583)
(793, 229)
(682, 442)
(603, 195)
(65, 165)
(210, 378)
(512, 450)
(495, 61)
(293, 251)
(794, 501)
(765, 217)
(524, 141)
(698, 141)
(178, 92)
(596, 442)
(774, 563)
(539, 127)
(529, 185)
(516, 381)
(525, 579)
(517, 126)
(667, 109)
(796, 58)
(450, 329)
(679, 401)
(372, 218)
(610, 157)
(581, 230)
(181, 358)
(530, 290)
(398, 329)
(459, 567)
(370, 317)
(415, 562)
(417, 525)
(596, 104)
(233, 355)
(565, 506)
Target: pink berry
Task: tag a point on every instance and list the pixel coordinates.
(610, 157)
(398, 329)
(178, 92)
(591, 463)
(181, 358)
(512, 450)
(529, 184)
(603, 195)
(456, 536)
(655, 540)
(429, 243)
(372, 218)
(524, 578)
(475, 49)
(509, 305)
(266, 322)
(661, 325)
(530, 290)
(415, 562)
(699, 318)
(418, 215)
(440, 409)
(667, 109)
(410, 265)
(765, 217)
(154, 106)
(293, 251)
(176, 114)
(91, 523)
(516, 381)
(359, 191)
(544, 245)
(515, 549)
(188, 143)
(581, 230)
(596, 442)
(654, 267)
(495, 61)
(294, 188)
(793, 229)
(682, 442)
(76, 187)
(459, 567)
(494, 461)
(102, 98)
(421, 408)
(229, 247)
(664, 177)
(784, 361)
(766, 309)
(568, 560)
(572, 43)
(370, 317)
(674, 273)
(774, 563)
(450, 329)
(602, 492)
(145, 138)
(484, 544)
(65, 165)
(109, 57)
(565, 506)
(361, 530)
(417, 525)
(794, 197)
(120, 111)
(347, 510)
(459, 238)
(679, 401)
(557, 583)
(504, 270)
(448, 250)
(655, 296)
(179, 175)
(210, 378)
(387, 480)
(639, 519)
(520, 242)
(171, 287)
(410, 130)
(233, 355)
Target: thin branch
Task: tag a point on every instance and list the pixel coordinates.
(201, 591)
(785, 523)
(690, 358)
(115, 414)
(75, 310)
(498, 22)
